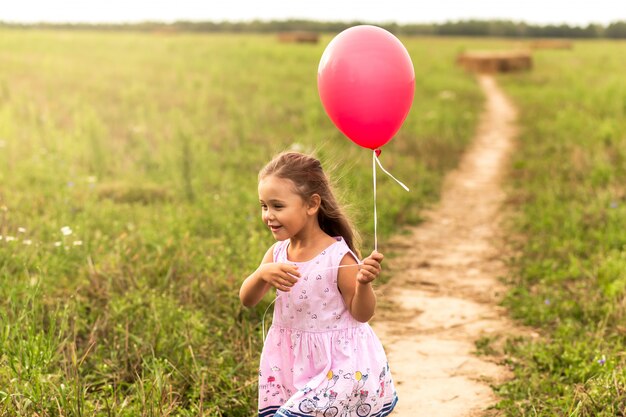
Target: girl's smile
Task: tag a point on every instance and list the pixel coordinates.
(282, 209)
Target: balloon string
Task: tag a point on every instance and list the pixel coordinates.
(263, 321)
(375, 161)
(388, 173)
(375, 214)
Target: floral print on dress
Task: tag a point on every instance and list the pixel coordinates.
(317, 359)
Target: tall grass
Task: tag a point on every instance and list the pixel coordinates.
(129, 213)
(569, 187)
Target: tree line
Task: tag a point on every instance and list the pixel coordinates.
(485, 28)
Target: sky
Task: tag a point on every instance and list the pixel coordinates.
(571, 12)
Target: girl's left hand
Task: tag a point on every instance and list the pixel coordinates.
(370, 268)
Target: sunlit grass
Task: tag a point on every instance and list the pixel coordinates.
(569, 189)
(129, 213)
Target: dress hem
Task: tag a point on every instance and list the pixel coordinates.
(277, 411)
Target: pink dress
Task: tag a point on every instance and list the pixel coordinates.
(317, 359)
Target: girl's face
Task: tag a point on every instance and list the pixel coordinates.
(282, 209)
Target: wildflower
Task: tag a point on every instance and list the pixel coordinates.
(92, 179)
(602, 361)
(66, 230)
(614, 204)
(57, 244)
(77, 243)
(21, 230)
(547, 301)
(9, 238)
(27, 242)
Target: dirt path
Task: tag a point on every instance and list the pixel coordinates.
(445, 289)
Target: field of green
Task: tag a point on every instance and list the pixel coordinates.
(568, 186)
(129, 213)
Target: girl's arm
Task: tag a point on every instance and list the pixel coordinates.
(267, 275)
(355, 285)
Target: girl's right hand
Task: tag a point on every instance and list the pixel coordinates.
(279, 275)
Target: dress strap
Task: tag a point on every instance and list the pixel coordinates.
(279, 249)
(343, 249)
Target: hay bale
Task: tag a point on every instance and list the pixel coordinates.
(551, 44)
(495, 61)
(298, 37)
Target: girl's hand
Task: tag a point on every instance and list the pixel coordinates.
(370, 268)
(278, 275)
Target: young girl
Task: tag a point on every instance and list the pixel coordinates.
(320, 357)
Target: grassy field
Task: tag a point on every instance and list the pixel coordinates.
(569, 189)
(129, 214)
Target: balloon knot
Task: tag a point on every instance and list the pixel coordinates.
(377, 152)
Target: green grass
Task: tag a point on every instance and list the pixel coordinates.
(569, 188)
(144, 150)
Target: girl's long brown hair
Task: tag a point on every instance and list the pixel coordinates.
(306, 173)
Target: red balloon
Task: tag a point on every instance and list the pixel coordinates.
(366, 83)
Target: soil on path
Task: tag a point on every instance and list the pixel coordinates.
(444, 292)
